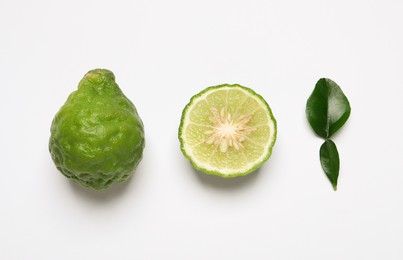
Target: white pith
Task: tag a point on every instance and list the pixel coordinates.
(234, 130)
(227, 131)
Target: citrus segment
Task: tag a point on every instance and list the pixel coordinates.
(200, 117)
(195, 134)
(219, 97)
(227, 130)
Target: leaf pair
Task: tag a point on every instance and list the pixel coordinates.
(327, 110)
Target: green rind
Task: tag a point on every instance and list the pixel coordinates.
(216, 173)
(97, 137)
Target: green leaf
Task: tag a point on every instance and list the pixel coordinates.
(329, 158)
(327, 109)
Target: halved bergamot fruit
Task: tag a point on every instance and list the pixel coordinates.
(227, 130)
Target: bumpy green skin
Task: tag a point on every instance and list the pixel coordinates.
(97, 137)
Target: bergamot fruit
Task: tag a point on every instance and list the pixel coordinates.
(227, 130)
(97, 137)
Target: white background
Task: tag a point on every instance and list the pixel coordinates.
(162, 53)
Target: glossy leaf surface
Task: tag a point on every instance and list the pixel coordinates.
(327, 108)
(329, 158)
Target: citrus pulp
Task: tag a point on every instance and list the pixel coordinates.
(227, 130)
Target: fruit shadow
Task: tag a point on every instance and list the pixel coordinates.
(115, 191)
(229, 184)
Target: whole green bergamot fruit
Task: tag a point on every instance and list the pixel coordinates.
(97, 137)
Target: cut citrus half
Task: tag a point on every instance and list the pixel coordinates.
(227, 130)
